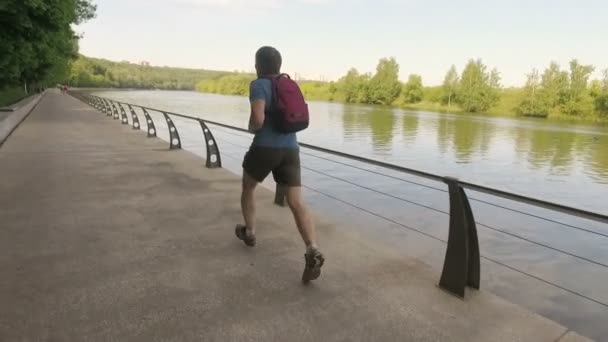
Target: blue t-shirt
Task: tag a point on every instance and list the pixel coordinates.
(268, 136)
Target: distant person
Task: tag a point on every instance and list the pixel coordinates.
(65, 89)
(275, 149)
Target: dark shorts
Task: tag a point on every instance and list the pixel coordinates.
(284, 163)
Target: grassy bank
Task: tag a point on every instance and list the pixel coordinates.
(10, 95)
(506, 106)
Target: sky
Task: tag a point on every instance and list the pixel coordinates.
(325, 38)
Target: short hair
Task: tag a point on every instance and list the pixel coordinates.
(268, 60)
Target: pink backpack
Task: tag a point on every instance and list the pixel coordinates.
(288, 110)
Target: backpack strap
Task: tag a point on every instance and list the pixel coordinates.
(274, 86)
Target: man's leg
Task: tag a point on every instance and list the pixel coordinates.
(306, 226)
(300, 212)
(256, 166)
(248, 202)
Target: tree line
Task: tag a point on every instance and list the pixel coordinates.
(567, 92)
(87, 72)
(38, 42)
(477, 89)
(554, 93)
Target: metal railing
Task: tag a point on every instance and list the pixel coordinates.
(461, 267)
(117, 110)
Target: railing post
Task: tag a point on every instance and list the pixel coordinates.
(134, 117)
(114, 110)
(123, 114)
(151, 129)
(280, 195)
(174, 140)
(213, 152)
(461, 267)
(98, 104)
(108, 109)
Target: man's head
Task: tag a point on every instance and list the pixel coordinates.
(268, 61)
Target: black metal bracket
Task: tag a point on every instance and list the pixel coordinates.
(461, 267)
(280, 196)
(214, 158)
(114, 110)
(151, 129)
(174, 141)
(108, 109)
(136, 124)
(123, 115)
(95, 102)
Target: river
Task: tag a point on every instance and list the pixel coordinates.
(556, 161)
(553, 264)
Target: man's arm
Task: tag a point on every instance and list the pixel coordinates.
(257, 98)
(256, 119)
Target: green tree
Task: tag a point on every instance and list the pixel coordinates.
(601, 100)
(384, 86)
(350, 85)
(577, 101)
(450, 84)
(478, 89)
(95, 72)
(355, 87)
(554, 84)
(533, 103)
(412, 90)
(595, 88)
(37, 39)
(492, 89)
(434, 94)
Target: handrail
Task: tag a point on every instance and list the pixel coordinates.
(475, 187)
(213, 155)
(462, 260)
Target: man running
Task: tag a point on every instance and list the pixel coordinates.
(276, 152)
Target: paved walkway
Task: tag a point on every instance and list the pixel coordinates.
(107, 235)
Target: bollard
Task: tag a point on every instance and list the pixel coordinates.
(213, 152)
(151, 128)
(174, 140)
(134, 117)
(123, 115)
(461, 267)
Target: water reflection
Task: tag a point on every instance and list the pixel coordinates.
(377, 123)
(466, 137)
(443, 131)
(597, 159)
(410, 127)
(353, 126)
(550, 149)
(382, 123)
